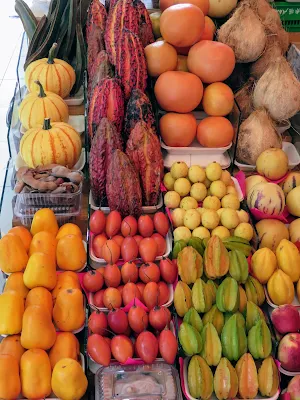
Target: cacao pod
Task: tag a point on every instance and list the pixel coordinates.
(259, 340)
(280, 288)
(238, 267)
(145, 24)
(100, 69)
(96, 16)
(263, 264)
(201, 296)
(212, 348)
(268, 378)
(189, 264)
(225, 380)
(213, 288)
(197, 244)
(214, 316)
(178, 246)
(190, 339)
(240, 318)
(247, 377)
(182, 298)
(233, 338)
(194, 319)
(228, 295)
(200, 378)
(288, 259)
(95, 46)
(237, 243)
(253, 315)
(254, 291)
(243, 299)
(216, 258)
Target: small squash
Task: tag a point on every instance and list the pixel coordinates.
(68, 311)
(66, 346)
(13, 256)
(39, 296)
(56, 143)
(70, 253)
(44, 242)
(44, 220)
(15, 282)
(37, 106)
(12, 345)
(12, 310)
(35, 371)
(38, 330)
(23, 234)
(68, 380)
(55, 75)
(10, 384)
(65, 280)
(40, 271)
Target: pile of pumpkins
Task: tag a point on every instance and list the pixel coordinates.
(43, 113)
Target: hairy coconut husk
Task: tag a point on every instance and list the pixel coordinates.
(273, 25)
(260, 7)
(257, 134)
(278, 90)
(272, 51)
(244, 33)
(244, 98)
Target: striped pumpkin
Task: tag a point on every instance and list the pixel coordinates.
(55, 75)
(37, 106)
(56, 144)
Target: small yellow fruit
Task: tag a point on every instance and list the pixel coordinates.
(218, 188)
(196, 174)
(230, 201)
(243, 216)
(210, 219)
(207, 183)
(221, 231)
(263, 264)
(169, 181)
(192, 219)
(187, 203)
(244, 230)
(229, 218)
(213, 171)
(294, 230)
(172, 199)
(182, 186)
(198, 191)
(201, 210)
(178, 217)
(253, 180)
(226, 177)
(201, 233)
(179, 170)
(281, 288)
(182, 233)
(219, 211)
(231, 190)
(212, 203)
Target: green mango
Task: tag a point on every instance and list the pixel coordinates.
(233, 339)
(240, 318)
(238, 266)
(190, 339)
(178, 246)
(253, 315)
(196, 243)
(228, 295)
(259, 340)
(212, 348)
(201, 296)
(214, 316)
(194, 319)
(213, 287)
(200, 378)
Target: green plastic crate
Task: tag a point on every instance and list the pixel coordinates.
(289, 15)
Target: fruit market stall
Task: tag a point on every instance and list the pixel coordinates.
(150, 228)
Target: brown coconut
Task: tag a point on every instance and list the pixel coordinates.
(278, 90)
(243, 98)
(244, 33)
(272, 51)
(257, 134)
(273, 25)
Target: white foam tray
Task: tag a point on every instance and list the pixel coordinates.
(195, 148)
(76, 100)
(271, 304)
(197, 159)
(76, 121)
(238, 188)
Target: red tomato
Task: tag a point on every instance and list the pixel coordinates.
(138, 239)
(151, 295)
(130, 292)
(120, 289)
(168, 270)
(112, 298)
(113, 223)
(121, 348)
(128, 331)
(118, 239)
(98, 243)
(117, 321)
(138, 319)
(129, 226)
(141, 287)
(129, 249)
(168, 346)
(148, 249)
(161, 244)
(164, 293)
(159, 317)
(161, 223)
(97, 222)
(98, 298)
(99, 350)
(101, 270)
(93, 281)
(129, 272)
(149, 272)
(108, 340)
(98, 323)
(145, 225)
(147, 347)
(112, 275)
(111, 251)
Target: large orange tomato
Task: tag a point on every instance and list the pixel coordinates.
(209, 29)
(164, 4)
(178, 130)
(218, 99)
(160, 57)
(215, 132)
(202, 4)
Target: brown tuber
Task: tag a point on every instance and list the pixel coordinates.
(243, 97)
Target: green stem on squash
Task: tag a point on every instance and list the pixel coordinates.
(51, 54)
(46, 125)
(42, 92)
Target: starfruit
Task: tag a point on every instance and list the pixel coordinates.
(225, 380)
(213, 288)
(214, 316)
(189, 264)
(233, 339)
(197, 244)
(200, 378)
(238, 267)
(228, 295)
(216, 258)
(178, 246)
(243, 299)
(254, 291)
(237, 243)
(240, 318)
(247, 377)
(212, 349)
(194, 319)
(190, 339)
(201, 296)
(268, 378)
(253, 315)
(182, 298)
(259, 340)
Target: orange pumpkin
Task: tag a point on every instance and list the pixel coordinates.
(65, 280)
(70, 253)
(40, 271)
(44, 242)
(68, 229)
(44, 220)
(38, 330)
(65, 346)
(215, 132)
(11, 315)
(23, 234)
(178, 130)
(39, 296)
(12, 345)
(15, 282)
(10, 384)
(35, 372)
(13, 256)
(68, 311)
